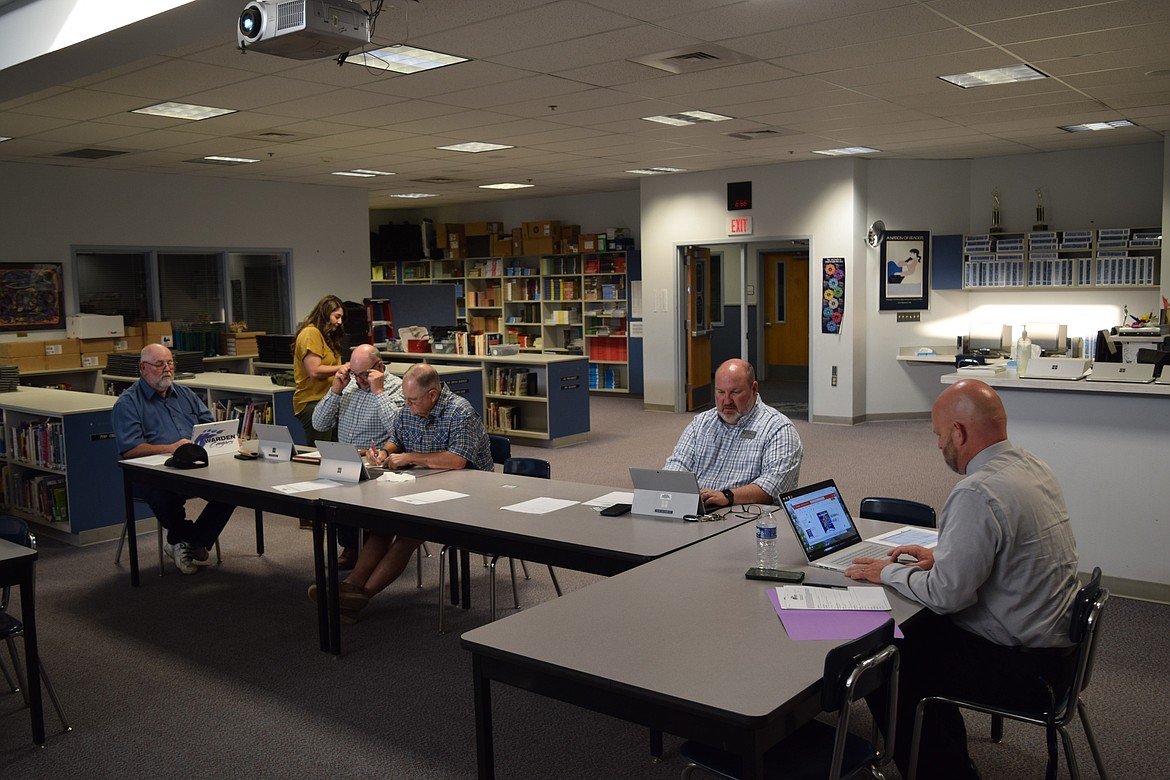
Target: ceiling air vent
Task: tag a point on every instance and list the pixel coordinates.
(690, 60)
(90, 154)
(439, 180)
(756, 135)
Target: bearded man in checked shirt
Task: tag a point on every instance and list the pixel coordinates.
(743, 451)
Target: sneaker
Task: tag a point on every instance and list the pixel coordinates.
(351, 598)
(181, 553)
(200, 554)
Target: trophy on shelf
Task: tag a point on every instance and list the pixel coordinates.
(996, 227)
(1041, 223)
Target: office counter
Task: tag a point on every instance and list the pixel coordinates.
(1109, 445)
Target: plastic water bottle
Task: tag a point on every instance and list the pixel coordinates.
(767, 554)
(1023, 352)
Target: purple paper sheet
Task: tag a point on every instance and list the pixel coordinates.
(835, 624)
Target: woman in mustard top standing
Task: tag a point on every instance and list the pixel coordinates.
(316, 358)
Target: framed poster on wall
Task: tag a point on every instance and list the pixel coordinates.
(32, 296)
(905, 271)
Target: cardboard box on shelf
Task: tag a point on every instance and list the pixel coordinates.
(133, 330)
(482, 228)
(93, 359)
(540, 246)
(62, 347)
(502, 247)
(570, 232)
(544, 229)
(479, 246)
(28, 363)
(62, 362)
(592, 242)
(156, 333)
(129, 344)
(97, 345)
(22, 348)
(518, 241)
(94, 326)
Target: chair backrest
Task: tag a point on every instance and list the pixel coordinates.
(501, 448)
(15, 530)
(528, 467)
(1086, 620)
(899, 510)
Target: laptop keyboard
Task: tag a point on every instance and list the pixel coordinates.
(862, 551)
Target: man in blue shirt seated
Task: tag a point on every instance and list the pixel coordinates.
(361, 404)
(743, 451)
(153, 417)
(999, 586)
(436, 430)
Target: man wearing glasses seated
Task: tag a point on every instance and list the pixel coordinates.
(153, 417)
(363, 410)
(742, 451)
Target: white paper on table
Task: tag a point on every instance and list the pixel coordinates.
(150, 460)
(804, 597)
(429, 497)
(395, 476)
(540, 506)
(609, 499)
(305, 487)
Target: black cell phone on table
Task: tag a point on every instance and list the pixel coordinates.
(615, 510)
(774, 575)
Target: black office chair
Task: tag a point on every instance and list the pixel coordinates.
(1086, 619)
(899, 510)
(818, 749)
(1159, 357)
(15, 530)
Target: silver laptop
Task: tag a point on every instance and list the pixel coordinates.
(1141, 373)
(218, 438)
(663, 493)
(275, 442)
(826, 532)
(1056, 368)
(1164, 378)
(344, 463)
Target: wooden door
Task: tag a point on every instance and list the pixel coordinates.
(786, 312)
(700, 390)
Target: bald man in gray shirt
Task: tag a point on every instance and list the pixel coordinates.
(999, 585)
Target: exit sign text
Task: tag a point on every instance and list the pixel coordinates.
(739, 226)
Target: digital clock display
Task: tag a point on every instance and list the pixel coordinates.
(739, 195)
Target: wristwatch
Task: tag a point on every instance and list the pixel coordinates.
(729, 496)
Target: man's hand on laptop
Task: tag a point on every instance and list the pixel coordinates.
(712, 498)
(870, 569)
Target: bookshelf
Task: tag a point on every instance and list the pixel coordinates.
(60, 463)
(549, 407)
(565, 304)
(1105, 258)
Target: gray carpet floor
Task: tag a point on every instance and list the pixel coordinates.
(219, 675)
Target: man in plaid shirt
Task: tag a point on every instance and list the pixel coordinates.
(743, 451)
(436, 429)
(362, 403)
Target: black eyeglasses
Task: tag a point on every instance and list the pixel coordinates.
(366, 374)
(159, 363)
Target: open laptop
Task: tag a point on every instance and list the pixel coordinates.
(664, 493)
(275, 442)
(1056, 368)
(344, 463)
(827, 534)
(1141, 373)
(218, 438)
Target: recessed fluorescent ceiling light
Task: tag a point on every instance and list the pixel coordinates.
(403, 59)
(219, 159)
(415, 195)
(1087, 126)
(846, 150)
(362, 173)
(183, 111)
(505, 185)
(474, 147)
(4, 138)
(983, 78)
(652, 171)
(687, 118)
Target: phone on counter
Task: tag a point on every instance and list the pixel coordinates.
(615, 510)
(774, 575)
(241, 455)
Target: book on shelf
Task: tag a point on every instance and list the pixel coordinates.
(502, 417)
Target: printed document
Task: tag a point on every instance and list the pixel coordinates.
(803, 597)
(540, 506)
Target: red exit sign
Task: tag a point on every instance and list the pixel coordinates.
(739, 226)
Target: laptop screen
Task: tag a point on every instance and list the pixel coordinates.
(819, 519)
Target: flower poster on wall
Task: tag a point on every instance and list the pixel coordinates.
(833, 296)
(32, 296)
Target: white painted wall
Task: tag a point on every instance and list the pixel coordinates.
(45, 210)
